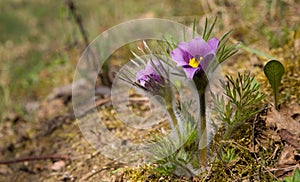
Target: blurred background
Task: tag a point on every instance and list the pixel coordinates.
(40, 41)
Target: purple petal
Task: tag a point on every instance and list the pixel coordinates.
(140, 75)
(149, 76)
(213, 43)
(143, 83)
(180, 56)
(196, 47)
(155, 77)
(206, 60)
(190, 72)
(184, 46)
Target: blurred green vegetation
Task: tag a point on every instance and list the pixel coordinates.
(40, 43)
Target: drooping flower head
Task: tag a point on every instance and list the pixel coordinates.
(150, 78)
(195, 56)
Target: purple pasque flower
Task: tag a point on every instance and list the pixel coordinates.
(195, 56)
(149, 77)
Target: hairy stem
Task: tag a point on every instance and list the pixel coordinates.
(203, 133)
(174, 120)
(172, 115)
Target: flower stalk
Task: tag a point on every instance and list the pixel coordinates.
(169, 107)
(201, 84)
(203, 132)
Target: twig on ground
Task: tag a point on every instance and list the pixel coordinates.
(34, 158)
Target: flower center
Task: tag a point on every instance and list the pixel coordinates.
(194, 63)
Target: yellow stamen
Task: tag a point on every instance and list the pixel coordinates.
(194, 63)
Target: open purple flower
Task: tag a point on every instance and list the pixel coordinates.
(195, 56)
(149, 78)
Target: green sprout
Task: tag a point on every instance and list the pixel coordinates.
(230, 155)
(274, 71)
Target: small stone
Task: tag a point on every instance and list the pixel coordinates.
(56, 166)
